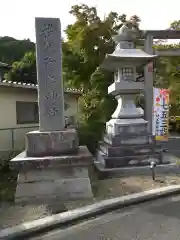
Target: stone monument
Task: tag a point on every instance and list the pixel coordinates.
(53, 167)
(127, 140)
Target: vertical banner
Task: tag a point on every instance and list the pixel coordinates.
(161, 114)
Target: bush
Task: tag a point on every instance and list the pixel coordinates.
(96, 109)
(90, 135)
(8, 178)
(5, 159)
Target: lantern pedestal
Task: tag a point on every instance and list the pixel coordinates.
(127, 141)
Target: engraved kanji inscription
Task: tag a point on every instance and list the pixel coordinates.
(47, 44)
(51, 78)
(46, 33)
(49, 71)
(53, 96)
(47, 30)
(48, 61)
(53, 111)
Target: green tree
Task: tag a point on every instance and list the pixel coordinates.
(168, 76)
(175, 25)
(89, 39)
(167, 71)
(12, 50)
(24, 70)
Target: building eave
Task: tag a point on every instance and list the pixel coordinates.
(6, 83)
(4, 65)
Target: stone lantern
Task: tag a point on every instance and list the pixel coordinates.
(127, 137)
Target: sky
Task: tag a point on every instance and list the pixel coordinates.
(18, 16)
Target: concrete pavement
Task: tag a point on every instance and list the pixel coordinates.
(154, 220)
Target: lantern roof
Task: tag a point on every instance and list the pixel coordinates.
(126, 57)
(124, 54)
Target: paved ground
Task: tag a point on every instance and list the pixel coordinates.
(173, 144)
(156, 220)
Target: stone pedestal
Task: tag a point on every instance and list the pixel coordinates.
(46, 180)
(127, 141)
(124, 151)
(51, 143)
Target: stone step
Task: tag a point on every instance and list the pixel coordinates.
(127, 171)
(131, 150)
(129, 140)
(114, 162)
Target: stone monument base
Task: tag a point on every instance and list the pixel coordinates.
(51, 143)
(126, 143)
(124, 127)
(46, 180)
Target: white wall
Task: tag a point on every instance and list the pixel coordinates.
(12, 135)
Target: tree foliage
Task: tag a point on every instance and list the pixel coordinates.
(175, 25)
(12, 50)
(168, 74)
(89, 39)
(167, 71)
(24, 70)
